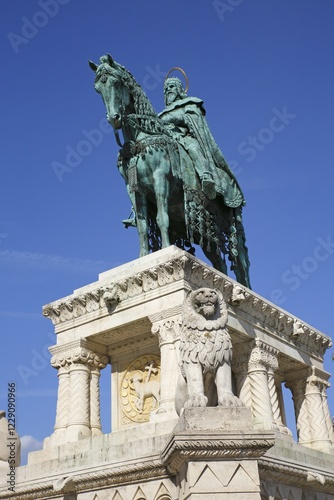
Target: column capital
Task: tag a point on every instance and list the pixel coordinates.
(79, 351)
(317, 378)
(167, 330)
(263, 355)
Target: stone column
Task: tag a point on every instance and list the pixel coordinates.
(168, 334)
(261, 357)
(95, 417)
(328, 418)
(297, 385)
(78, 425)
(63, 396)
(316, 403)
(274, 395)
(78, 403)
(240, 369)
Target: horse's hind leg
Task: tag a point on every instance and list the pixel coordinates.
(161, 186)
(241, 267)
(215, 259)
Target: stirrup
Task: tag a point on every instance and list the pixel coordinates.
(129, 222)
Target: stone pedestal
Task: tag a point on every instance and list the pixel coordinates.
(132, 318)
(214, 452)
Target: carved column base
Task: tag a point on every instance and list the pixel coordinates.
(267, 425)
(77, 432)
(161, 414)
(320, 445)
(214, 452)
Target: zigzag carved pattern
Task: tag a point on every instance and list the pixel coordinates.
(328, 419)
(297, 388)
(274, 398)
(62, 401)
(244, 390)
(79, 397)
(316, 416)
(303, 426)
(261, 405)
(95, 419)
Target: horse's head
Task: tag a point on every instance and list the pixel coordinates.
(110, 84)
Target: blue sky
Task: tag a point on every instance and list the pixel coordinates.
(265, 72)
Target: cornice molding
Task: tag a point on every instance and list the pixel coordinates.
(209, 445)
(88, 481)
(296, 474)
(243, 303)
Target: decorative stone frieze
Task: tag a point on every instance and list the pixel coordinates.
(285, 326)
(279, 477)
(74, 307)
(107, 298)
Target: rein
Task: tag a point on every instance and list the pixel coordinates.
(118, 140)
(148, 124)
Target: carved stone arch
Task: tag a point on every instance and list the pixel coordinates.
(162, 493)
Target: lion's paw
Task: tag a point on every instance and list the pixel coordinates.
(229, 399)
(196, 401)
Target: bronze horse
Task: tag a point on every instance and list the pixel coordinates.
(152, 163)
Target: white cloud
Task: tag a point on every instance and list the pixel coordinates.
(28, 444)
(52, 262)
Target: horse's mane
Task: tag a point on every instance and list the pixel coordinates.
(141, 102)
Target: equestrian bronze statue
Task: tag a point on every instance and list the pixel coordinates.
(181, 188)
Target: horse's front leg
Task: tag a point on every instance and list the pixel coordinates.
(140, 205)
(161, 188)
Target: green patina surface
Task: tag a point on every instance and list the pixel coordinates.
(179, 183)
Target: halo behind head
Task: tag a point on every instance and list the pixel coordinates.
(177, 68)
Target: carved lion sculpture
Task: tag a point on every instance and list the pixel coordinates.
(205, 352)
